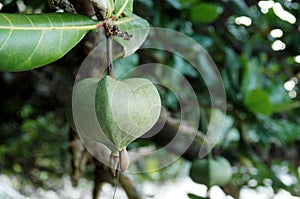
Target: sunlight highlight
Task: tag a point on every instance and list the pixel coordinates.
(293, 94)
(297, 59)
(265, 6)
(278, 10)
(282, 14)
(276, 33)
(243, 20)
(278, 45)
(290, 87)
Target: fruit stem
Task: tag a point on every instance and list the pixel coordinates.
(114, 163)
(109, 57)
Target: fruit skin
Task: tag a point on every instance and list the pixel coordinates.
(221, 171)
(129, 108)
(211, 171)
(199, 171)
(115, 112)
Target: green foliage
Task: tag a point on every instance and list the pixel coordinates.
(30, 41)
(205, 12)
(39, 145)
(261, 138)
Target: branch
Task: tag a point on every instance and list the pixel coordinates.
(171, 136)
(79, 157)
(129, 187)
(182, 126)
(101, 175)
(172, 127)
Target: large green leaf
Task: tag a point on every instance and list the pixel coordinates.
(30, 41)
(135, 26)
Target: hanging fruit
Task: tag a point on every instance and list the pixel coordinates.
(211, 171)
(115, 112)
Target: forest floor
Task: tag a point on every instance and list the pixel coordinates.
(175, 189)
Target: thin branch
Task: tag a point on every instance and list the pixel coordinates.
(109, 57)
(183, 126)
(102, 175)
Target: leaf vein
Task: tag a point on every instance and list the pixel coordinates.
(37, 45)
(30, 20)
(10, 33)
(51, 25)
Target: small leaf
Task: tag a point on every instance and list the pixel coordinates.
(175, 3)
(286, 106)
(258, 101)
(280, 99)
(241, 7)
(193, 196)
(30, 41)
(135, 26)
(284, 130)
(232, 64)
(277, 93)
(206, 12)
(252, 77)
(204, 41)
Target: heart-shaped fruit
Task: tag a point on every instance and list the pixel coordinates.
(114, 112)
(211, 171)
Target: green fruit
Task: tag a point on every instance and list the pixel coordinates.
(211, 171)
(115, 112)
(199, 171)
